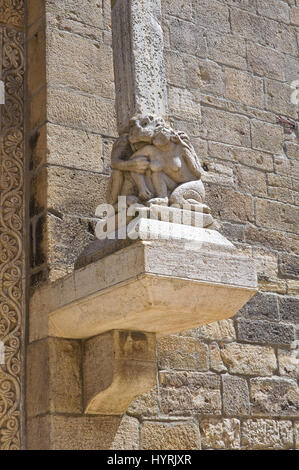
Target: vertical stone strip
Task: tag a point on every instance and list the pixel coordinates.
(11, 221)
(138, 59)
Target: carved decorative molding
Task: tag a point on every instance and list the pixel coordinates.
(12, 12)
(11, 222)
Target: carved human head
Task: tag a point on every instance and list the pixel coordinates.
(143, 128)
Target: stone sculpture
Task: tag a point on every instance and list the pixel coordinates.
(153, 164)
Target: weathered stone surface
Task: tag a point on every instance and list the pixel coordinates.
(220, 331)
(146, 404)
(244, 87)
(252, 181)
(274, 9)
(289, 266)
(249, 360)
(288, 361)
(185, 35)
(225, 127)
(228, 204)
(227, 50)
(235, 396)
(264, 31)
(127, 436)
(138, 63)
(275, 215)
(216, 363)
(278, 98)
(220, 433)
(179, 352)
(267, 434)
(190, 392)
(295, 15)
(288, 308)
(297, 435)
(212, 14)
(263, 306)
(170, 436)
(267, 137)
(181, 10)
(53, 432)
(265, 332)
(54, 377)
(274, 397)
(265, 61)
(248, 157)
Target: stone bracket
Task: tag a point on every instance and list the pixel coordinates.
(118, 366)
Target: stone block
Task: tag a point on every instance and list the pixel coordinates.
(265, 62)
(118, 366)
(185, 36)
(265, 434)
(289, 309)
(274, 9)
(146, 404)
(182, 353)
(54, 377)
(278, 98)
(248, 359)
(235, 396)
(244, 87)
(274, 397)
(224, 127)
(263, 306)
(288, 361)
(212, 14)
(170, 436)
(252, 181)
(227, 50)
(219, 331)
(246, 156)
(229, 205)
(216, 362)
(267, 137)
(288, 266)
(265, 332)
(276, 215)
(220, 434)
(189, 393)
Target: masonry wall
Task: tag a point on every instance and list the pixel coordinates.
(229, 65)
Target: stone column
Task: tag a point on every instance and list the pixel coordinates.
(138, 59)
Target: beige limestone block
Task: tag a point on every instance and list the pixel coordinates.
(216, 363)
(178, 352)
(58, 432)
(117, 367)
(170, 436)
(54, 377)
(227, 50)
(226, 127)
(267, 434)
(190, 393)
(267, 137)
(248, 359)
(220, 331)
(220, 433)
(289, 363)
(244, 87)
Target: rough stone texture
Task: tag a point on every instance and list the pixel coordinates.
(220, 434)
(265, 332)
(182, 353)
(267, 434)
(249, 360)
(274, 397)
(190, 392)
(235, 396)
(170, 436)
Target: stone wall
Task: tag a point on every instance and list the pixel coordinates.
(229, 64)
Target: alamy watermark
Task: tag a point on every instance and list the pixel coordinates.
(2, 353)
(123, 221)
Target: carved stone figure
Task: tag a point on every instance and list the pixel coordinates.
(153, 164)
